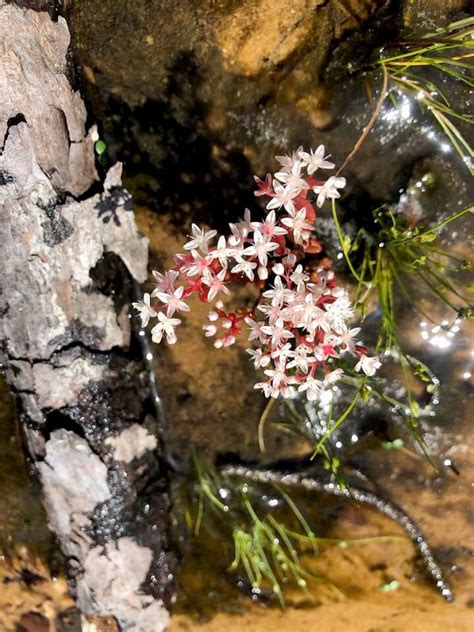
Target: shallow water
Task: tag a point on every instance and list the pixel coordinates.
(211, 406)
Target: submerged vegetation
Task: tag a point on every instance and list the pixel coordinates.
(304, 340)
(270, 534)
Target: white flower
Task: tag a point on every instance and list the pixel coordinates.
(339, 312)
(272, 312)
(209, 330)
(333, 377)
(316, 160)
(172, 300)
(241, 229)
(268, 389)
(283, 353)
(245, 267)
(301, 357)
(292, 179)
(216, 284)
(346, 338)
(245, 225)
(279, 293)
(298, 224)
(165, 326)
(228, 341)
(312, 387)
(145, 309)
(278, 269)
(199, 239)
(288, 161)
(277, 376)
(329, 189)
(368, 365)
(237, 237)
(222, 252)
(299, 276)
(283, 196)
(290, 260)
(314, 317)
(256, 330)
(261, 247)
(279, 335)
(259, 358)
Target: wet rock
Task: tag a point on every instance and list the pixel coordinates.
(111, 580)
(74, 481)
(198, 70)
(49, 97)
(71, 378)
(131, 443)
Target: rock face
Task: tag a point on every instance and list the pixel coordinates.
(192, 87)
(69, 258)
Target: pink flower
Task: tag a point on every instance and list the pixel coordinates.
(200, 265)
(264, 187)
(164, 282)
(269, 227)
(305, 323)
(216, 284)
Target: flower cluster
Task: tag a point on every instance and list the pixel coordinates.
(301, 318)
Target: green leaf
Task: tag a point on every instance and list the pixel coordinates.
(100, 147)
(427, 237)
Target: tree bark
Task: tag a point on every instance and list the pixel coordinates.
(70, 253)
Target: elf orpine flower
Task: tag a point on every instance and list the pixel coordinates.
(300, 324)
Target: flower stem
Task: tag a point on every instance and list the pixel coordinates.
(261, 423)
